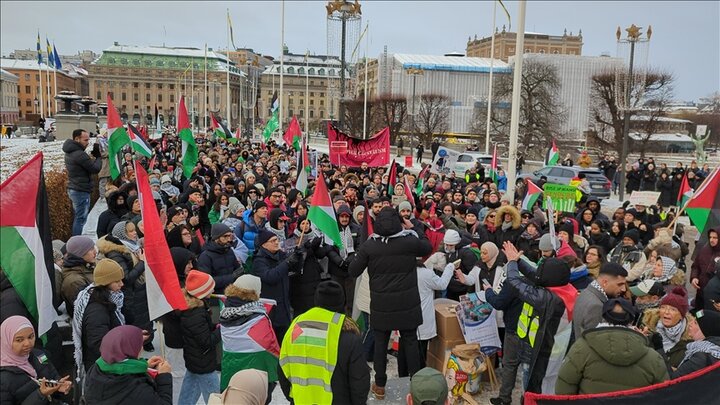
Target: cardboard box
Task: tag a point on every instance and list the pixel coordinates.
(438, 363)
(448, 326)
(438, 345)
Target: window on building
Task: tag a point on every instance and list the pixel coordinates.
(312, 94)
(123, 96)
(302, 101)
(37, 76)
(291, 70)
(172, 98)
(160, 86)
(99, 95)
(136, 97)
(135, 85)
(147, 98)
(147, 85)
(28, 103)
(311, 113)
(322, 113)
(542, 51)
(27, 89)
(290, 113)
(322, 102)
(312, 102)
(159, 98)
(331, 72)
(27, 76)
(301, 71)
(312, 82)
(172, 86)
(290, 101)
(111, 94)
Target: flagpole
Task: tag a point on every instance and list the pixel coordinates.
(281, 102)
(47, 87)
(205, 88)
(307, 89)
(227, 73)
(55, 78)
(515, 114)
(192, 93)
(367, 47)
(490, 81)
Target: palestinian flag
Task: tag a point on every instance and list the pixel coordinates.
(552, 157)
(293, 134)
(308, 333)
(161, 281)
(322, 213)
(392, 177)
(685, 192)
(237, 135)
(421, 180)
(703, 208)
(531, 197)
(252, 344)
(117, 139)
(138, 143)
(219, 129)
(189, 148)
(26, 252)
(408, 193)
(274, 122)
(303, 169)
(494, 166)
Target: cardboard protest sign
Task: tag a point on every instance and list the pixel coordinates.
(445, 160)
(563, 197)
(646, 198)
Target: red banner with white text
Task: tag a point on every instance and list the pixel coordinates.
(374, 151)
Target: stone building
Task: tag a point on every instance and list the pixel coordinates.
(9, 111)
(139, 78)
(566, 44)
(29, 85)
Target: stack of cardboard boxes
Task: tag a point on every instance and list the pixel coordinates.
(449, 334)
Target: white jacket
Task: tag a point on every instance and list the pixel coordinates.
(428, 283)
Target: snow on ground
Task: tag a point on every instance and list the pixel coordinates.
(17, 151)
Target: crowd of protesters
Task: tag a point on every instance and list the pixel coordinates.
(263, 284)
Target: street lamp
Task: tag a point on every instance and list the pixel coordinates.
(633, 37)
(414, 72)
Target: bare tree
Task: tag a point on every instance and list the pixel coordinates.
(354, 116)
(541, 111)
(433, 117)
(390, 111)
(649, 121)
(606, 109)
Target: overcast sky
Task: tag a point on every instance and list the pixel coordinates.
(685, 40)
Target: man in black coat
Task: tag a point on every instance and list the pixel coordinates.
(218, 259)
(350, 380)
(80, 168)
(339, 259)
(389, 255)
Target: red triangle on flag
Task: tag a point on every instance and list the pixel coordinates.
(113, 118)
(18, 194)
(183, 120)
(321, 197)
(296, 332)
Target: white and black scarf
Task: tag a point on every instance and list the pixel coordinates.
(701, 346)
(672, 335)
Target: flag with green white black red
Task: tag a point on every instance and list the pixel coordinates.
(274, 122)
(703, 207)
(138, 142)
(494, 166)
(310, 333)
(685, 192)
(117, 139)
(219, 129)
(26, 250)
(189, 147)
(293, 134)
(303, 169)
(532, 195)
(322, 212)
(552, 156)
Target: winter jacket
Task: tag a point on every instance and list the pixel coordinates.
(676, 353)
(80, 167)
(389, 255)
(631, 258)
(428, 283)
(333, 254)
(200, 337)
(112, 215)
(609, 359)
(350, 381)
(711, 292)
(77, 274)
(174, 239)
(588, 310)
(467, 261)
(249, 340)
(697, 361)
(248, 230)
(219, 262)
(704, 264)
(134, 281)
(16, 387)
(127, 389)
(513, 233)
(273, 269)
(530, 245)
(665, 187)
(98, 319)
(10, 301)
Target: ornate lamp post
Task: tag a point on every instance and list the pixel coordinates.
(345, 12)
(633, 37)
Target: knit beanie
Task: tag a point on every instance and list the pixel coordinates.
(624, 317)
(709, 322)
(545, 243)
(199, 284)
(249, 282)
(79, 245)
(677, 298)
(473, 211)
(632, 234)
(263, 236)
(107, 272)
(452, 237)
(330, 295)
(218, 230)
(404, 205)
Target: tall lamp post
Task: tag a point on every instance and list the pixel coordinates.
(414, 72)
(633, 37)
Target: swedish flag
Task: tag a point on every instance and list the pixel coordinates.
(39, 52)
(51, 60)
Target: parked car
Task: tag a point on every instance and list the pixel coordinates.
(599, 184)
(467, 160)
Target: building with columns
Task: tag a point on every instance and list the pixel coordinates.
(9, 106)
(139, 78)
(566, 44)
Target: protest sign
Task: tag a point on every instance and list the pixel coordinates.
(646, 198)
(563, 197)
(445, 160)
(478, 320)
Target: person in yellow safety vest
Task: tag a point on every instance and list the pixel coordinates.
(544, 326)
(322, 359)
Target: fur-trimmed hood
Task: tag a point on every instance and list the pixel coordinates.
(246, 295)
(191, 301)
(108, 244)
(652, 316)
(508, 209)
(349, 325)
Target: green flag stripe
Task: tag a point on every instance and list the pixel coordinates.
(116, 141)
(18, 263)
(189, 151)
(699, 217)
(326, 223)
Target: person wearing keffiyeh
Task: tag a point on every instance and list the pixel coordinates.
(704, 351)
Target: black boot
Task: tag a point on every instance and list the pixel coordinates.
(499, 401)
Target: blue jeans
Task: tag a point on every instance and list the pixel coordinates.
(81, 207)
(195, 385)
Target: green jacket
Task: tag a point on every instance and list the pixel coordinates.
(610, 359)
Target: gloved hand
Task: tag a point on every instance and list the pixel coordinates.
(345, 264)
(295, 258)
(96, 150)
(312, 244)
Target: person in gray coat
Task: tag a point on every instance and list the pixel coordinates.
(610, 283)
